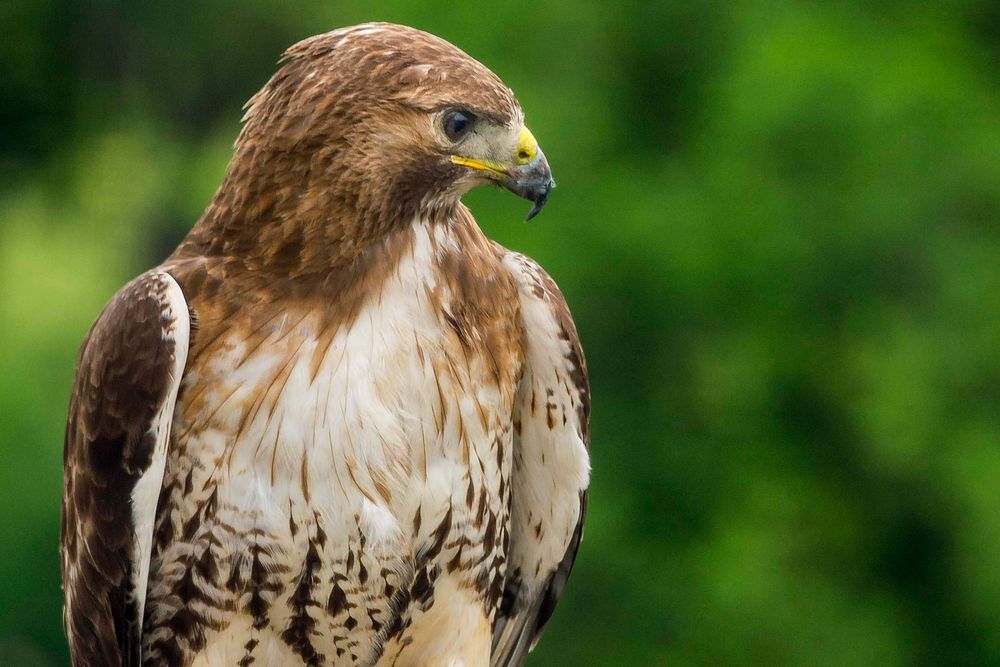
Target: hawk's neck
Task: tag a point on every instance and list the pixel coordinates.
(254, 282)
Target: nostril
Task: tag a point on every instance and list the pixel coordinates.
(524, 155)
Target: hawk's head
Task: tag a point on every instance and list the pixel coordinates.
(386, 122)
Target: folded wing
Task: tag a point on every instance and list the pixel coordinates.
(551, 469)
(127, 379)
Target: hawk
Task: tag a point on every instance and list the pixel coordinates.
(338, 425)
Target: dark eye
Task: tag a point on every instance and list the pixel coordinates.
(457, 124)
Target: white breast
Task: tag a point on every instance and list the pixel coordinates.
(354, 423)
(387, 426)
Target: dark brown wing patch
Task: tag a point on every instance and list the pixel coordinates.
(124, 377)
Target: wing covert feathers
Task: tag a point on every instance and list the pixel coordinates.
(127, 379)
(551, 465)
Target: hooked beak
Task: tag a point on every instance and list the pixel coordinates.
(526, 174)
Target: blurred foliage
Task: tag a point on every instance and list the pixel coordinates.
(776, 225)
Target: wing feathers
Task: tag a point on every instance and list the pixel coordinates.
(127, 380)
(551, 465)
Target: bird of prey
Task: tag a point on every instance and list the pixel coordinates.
(338, 425)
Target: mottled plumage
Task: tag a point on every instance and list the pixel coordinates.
(338, 425)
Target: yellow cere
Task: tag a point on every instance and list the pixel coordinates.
(527, 147)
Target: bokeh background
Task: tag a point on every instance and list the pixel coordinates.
(777, 226)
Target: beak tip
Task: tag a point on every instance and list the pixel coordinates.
(532, 181)
(540, 199)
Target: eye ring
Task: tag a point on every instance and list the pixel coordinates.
(457, 123)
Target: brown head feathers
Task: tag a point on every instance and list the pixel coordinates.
(343, 144)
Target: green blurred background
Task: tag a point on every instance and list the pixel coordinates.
(777, 226)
